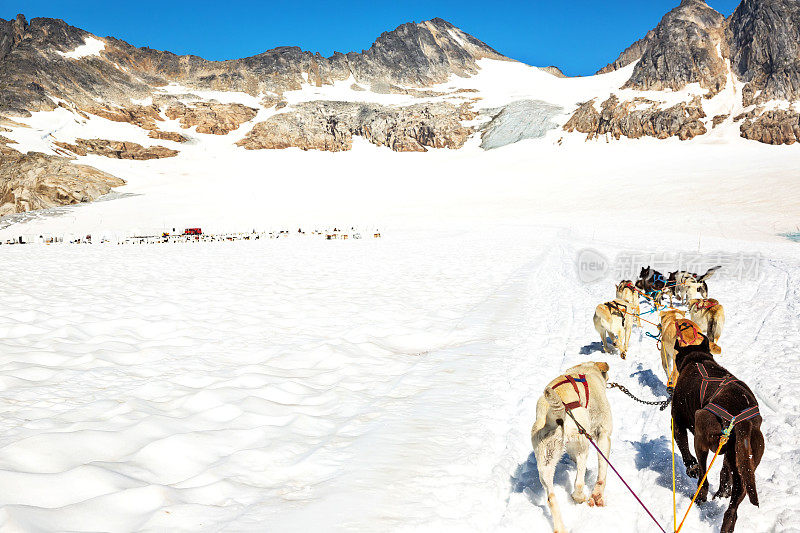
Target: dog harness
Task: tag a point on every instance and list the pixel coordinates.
(717, 409)
(574, 381)
(682, 325)
(616, 309)
(706, 304)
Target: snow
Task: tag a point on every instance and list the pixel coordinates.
(91, 47)
(358, 385)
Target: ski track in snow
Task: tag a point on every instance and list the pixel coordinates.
(365, 386)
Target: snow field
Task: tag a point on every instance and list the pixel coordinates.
(367, 386)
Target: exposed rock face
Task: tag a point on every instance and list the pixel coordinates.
(32, 70)
(633, 53)
(523, 119)
(11, 32)
(331, 126)
(117, 149)
(39, 181)
(210, 117)
(683, 50)
(627, 119)
(167, 136)
(555, 71)
(143, 116)
(765, 49)
(772, 127)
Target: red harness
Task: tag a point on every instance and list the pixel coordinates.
(574, 381)
(706, 304)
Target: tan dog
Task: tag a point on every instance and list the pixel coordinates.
(582, 390)
(626, 291)
(673, 327)
(709, 315)
(614, 319)
(669, 332)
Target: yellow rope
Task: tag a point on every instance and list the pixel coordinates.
(722, 441)
(674, 502)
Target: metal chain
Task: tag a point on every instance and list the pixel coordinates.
(662, 403)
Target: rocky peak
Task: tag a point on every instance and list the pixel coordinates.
(11, 33)
(684, 48)
(764, 38)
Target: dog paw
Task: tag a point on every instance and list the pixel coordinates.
(596, 500)
(693, 470)
(578, 497)
(723, 492)
(623, 355)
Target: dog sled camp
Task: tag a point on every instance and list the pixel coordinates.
(707, 401)
(195, 235)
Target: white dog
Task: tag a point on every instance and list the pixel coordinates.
(626, 291)
(615, 319)
(582, 390)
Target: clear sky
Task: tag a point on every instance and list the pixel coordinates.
(579, 36)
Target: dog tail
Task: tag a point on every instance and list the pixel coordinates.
(709, 273)
(715, 327)
(744, 458)
(556, 405)
(541, 417)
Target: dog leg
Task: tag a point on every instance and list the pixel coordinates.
(578, 449)
(725, 478)
(737, 495)
(548, 451)
(546, 473)
(604, 443)
(682, 440)
(702, 457)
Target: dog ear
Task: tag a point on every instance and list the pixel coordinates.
(602, 366)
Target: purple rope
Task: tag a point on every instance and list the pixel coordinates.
(586, 434)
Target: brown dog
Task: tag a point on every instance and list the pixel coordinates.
(707, 400)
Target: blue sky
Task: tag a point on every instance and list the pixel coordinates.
(579, 36)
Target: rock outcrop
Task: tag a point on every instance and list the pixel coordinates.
(765, 49)
(772, 127)
(145, 117)
(683, 49)
(211, 117)
(167, 136)
(117, 149)
(555, 71)
(637, 118)
(38, 181)
(332, 125)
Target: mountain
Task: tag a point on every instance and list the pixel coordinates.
(683, 48)
(758, 45)
(36, 67)
(68, 95)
